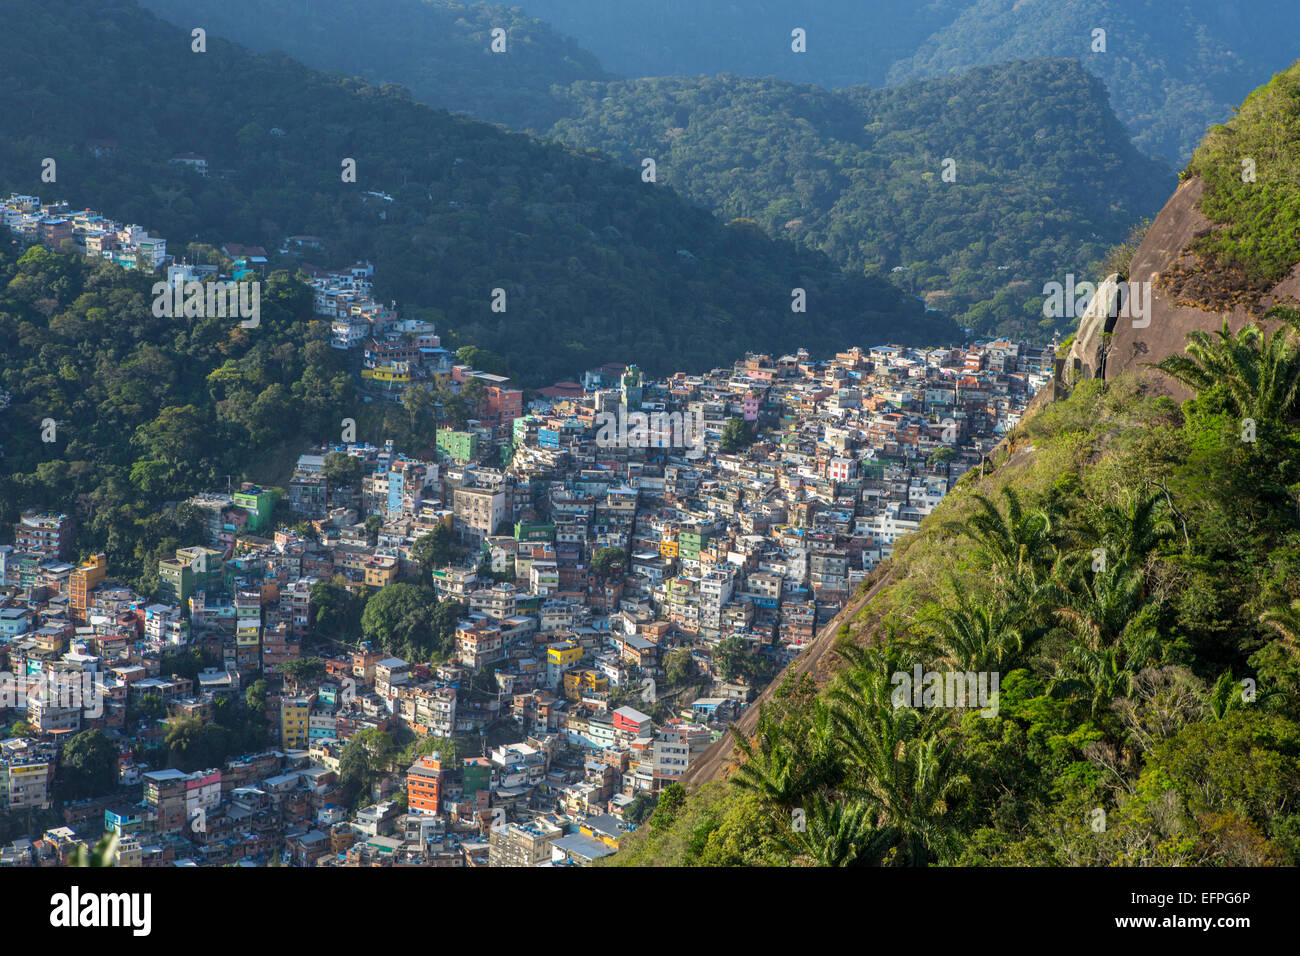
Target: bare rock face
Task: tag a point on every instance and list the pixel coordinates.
(1137, 338)
(1086, 353)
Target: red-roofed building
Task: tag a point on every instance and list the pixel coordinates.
(561, 390)
(235, 251)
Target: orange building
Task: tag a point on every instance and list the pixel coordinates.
(423, 785)
(363, 664)
(82, 581)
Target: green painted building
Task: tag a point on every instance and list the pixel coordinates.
(192, 569)
(460, 446)
(532, 531)
(477, 775)
(259, 503)
(689, 544)
(520, 429)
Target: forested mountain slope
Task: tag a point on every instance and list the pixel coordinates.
(1042, 181)
(440, 49)
(596, 264)
(146, 409)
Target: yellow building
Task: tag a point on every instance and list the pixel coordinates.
(398, 373)
(584, 683)
(564, 654)
(380, 570)
(50, 642)
(295, 717)
(593, 834)
(326, 753)
(668, 547)
(28, 785)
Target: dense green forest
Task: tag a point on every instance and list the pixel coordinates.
(628, 268)
(1129, 570)
(440, 49)
(146, 410)
(1172, 67)
(1044, 178)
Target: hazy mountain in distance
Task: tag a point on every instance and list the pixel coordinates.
(1173, 67)
(441, 49)
(848, 42)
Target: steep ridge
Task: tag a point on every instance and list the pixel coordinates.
(1198, 261)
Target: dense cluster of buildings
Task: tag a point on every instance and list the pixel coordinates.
(96, 236)
(742, 508)
(54, 225)
(397, 353)
(618, 546)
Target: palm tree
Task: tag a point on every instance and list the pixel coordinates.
(971, 637)
(784, 766)
(913, 777)
(875, 782)
(1224, 697)
(1015, 546)
(1104, 674)
(1102, 598)
(1130, 532)
(1098, 674)
(1286, 621)
(898, 759)
(1098, 606)
(1259, 374)
(839, 833)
